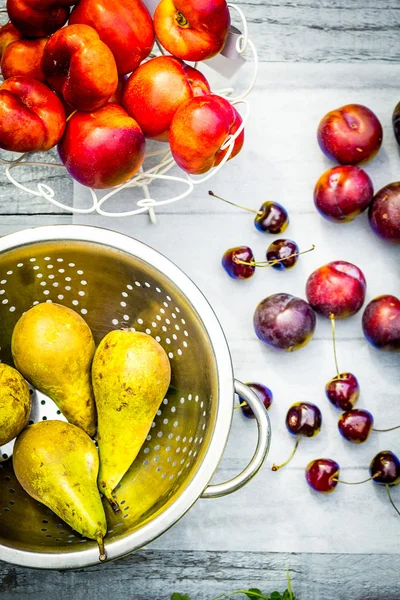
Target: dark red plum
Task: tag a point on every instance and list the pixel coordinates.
(272, 218)
(284, 322)
(396, 122)
(356, 425)
(304, 419)
(384, 213)
(322, 475)
(336, 289)
(263, 392)
(342, 193)
(381, 323)
(343, 391)
(285, 251)
(350, 135)
(233, 260)
(385, 468)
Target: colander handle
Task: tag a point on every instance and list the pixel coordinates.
(261, 451)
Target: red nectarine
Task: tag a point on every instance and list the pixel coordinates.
(24, 58)
(103, 148)
(80, 67)
(156, 90)
(199, 129)
(38, 18)
(32, 118)
(8, 34)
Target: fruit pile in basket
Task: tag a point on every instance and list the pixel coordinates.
(90, 88)
(115, 389)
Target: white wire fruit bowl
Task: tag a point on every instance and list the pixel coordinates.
(158, 162)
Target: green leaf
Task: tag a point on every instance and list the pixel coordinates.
(253, 593)
(179, 597)
(276, 596)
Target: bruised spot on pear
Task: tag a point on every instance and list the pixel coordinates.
(53, 347)
(15, 403)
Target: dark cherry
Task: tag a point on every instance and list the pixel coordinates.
(396, 122)
(322, 475)
(284, 322)
(381, 323)
(272, 217)
(336, 289)
(304, 419)
(343, 391)
(356, 425)
(232, 262)
(385, 468)
(262, 392)
(384, 213)
(286, 251)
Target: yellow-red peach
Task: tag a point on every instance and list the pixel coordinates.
(157, 89)
(24, 58)
(8, 34)
(38, 18)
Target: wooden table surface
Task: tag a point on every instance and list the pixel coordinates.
(305, 31)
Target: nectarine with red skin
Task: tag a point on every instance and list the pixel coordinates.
(38, 18)
(381, 323)
(351, 134)
(342, 193)
(336, 289)
(384, 213)
(192, 29)
(24, 58)
(80, 67)
(32, 118)
(126, 27)
(198, 130)
(103, 148)
(157, 89)
(8, 34)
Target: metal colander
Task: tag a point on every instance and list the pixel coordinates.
(114, 281)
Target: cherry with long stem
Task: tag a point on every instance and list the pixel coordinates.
(277, 467)
(271, 263)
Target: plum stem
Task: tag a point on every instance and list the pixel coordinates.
(391, 499)
(256, 212)
(333, 323)
(270, 263)
(277, 467)
(385, 430)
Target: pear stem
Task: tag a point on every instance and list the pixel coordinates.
(385, 430)
(333, 323)
(103, 554)
(270, 263)
(256, 212)
(277, 467)
(391, 500)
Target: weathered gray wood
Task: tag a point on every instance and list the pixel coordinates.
(155, 575)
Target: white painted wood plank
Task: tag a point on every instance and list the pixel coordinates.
(282, 161)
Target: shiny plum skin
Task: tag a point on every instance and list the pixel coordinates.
(350, 135)
(343, 391)
(387, 465)
(342, 193)
(396, 122)
(281, 250)
(263, 392)
(235, 269)
(356, 425)
(322, 475)
(284, 322)
(272, 217)
(381, 323)
(304, 419)
(336, 289)
(384, 213)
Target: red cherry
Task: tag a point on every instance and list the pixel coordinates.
(262, 392)
(322, 475)
(233, 262)
(356, 425)
(343, 391)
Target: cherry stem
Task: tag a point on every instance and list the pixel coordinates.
(384, 430)
(356, 482)
(277, 467)
(256, 212)
(270, 263)
(333, 323)
(242, 405)
(391, 499)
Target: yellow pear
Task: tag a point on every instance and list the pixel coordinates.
(53, 347)
(15, 403)
(57, 464)
(131, 374)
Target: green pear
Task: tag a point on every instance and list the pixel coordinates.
(57, 464)
(15, 403)
(130, 374)
(53, 347)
